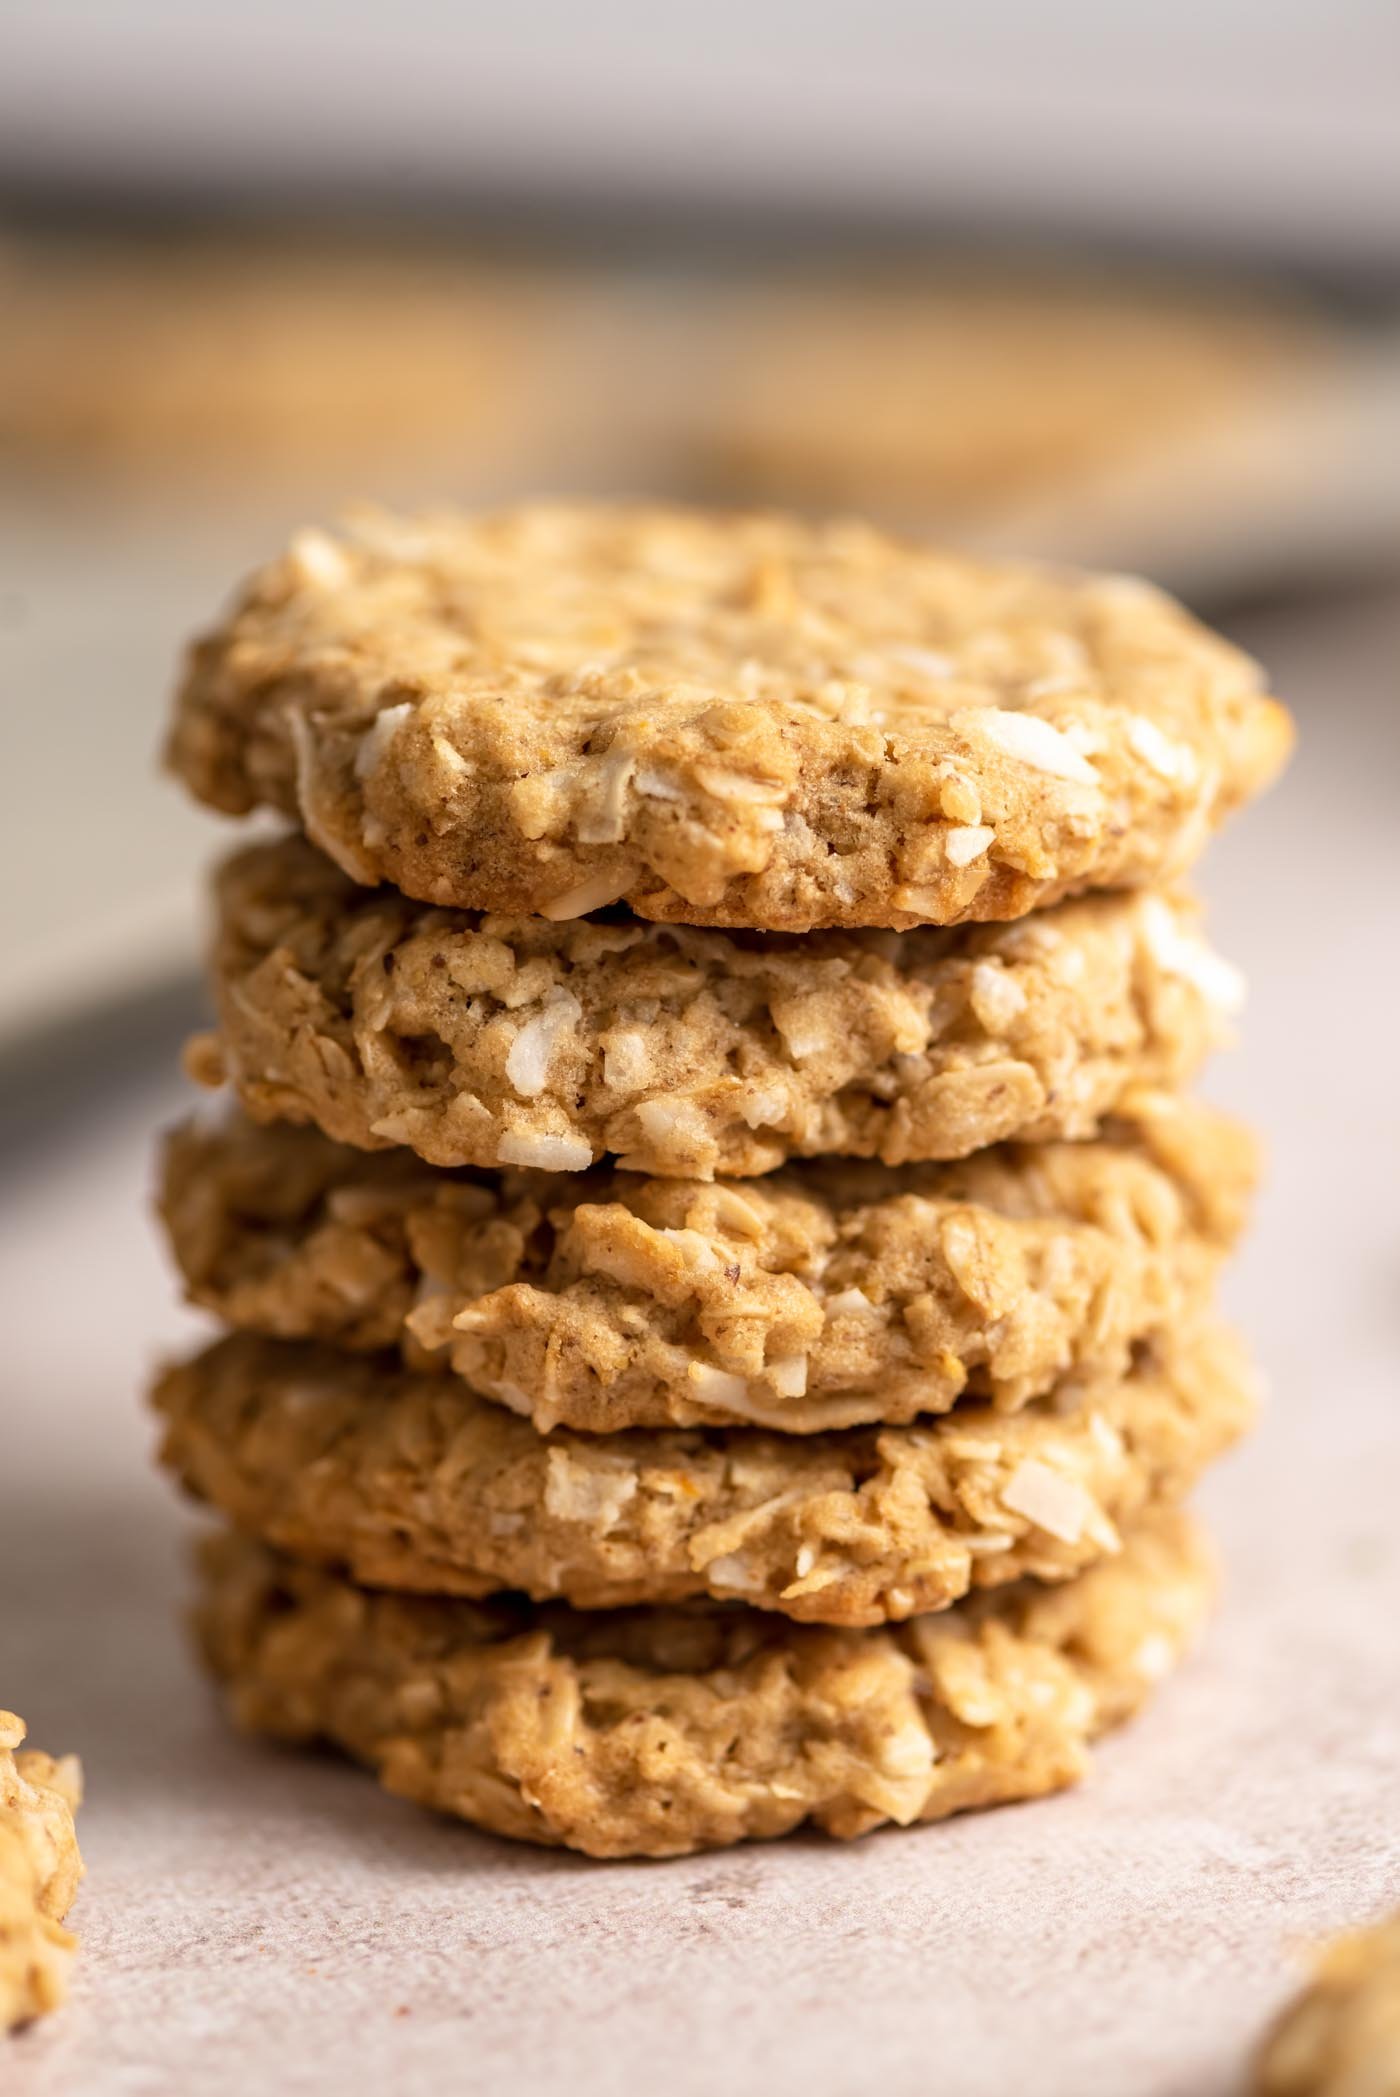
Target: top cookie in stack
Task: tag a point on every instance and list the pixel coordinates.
(716, 847)
(719, 720)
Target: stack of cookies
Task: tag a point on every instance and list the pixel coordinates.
(718, 1257)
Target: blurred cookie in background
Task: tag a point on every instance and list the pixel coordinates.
(1220, 436)
(270, 362)
(956, 392)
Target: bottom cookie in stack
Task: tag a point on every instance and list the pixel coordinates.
(654, 1732)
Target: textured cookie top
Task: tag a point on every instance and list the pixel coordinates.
(39, 1873)
(414, 1482)
(513, 1041)
(657, 1732)
(722, 719)
(819, 1297)
(1341, 2038)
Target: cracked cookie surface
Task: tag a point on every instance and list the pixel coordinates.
(413, 1482)
(721, 719)
(825, 1296)
(659, 1732)
(39, 1872)
(685, 1053)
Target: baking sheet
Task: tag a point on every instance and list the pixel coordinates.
(256, 1920)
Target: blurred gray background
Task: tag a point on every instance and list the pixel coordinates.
(1259, 124)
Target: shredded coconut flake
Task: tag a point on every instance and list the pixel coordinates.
(360, 1205)
(733, 1574)
(713, 1386)
(1180, 953)
(594, 1492)
(917, 900)
(997, 998)
(762, 1109)
(735, 1212)
(966, 842)
(627, 1062)
(1056, 1504)
(319, 560)
(447, 754)
(673, 1125)
(696, 1253)
(657, 787)
(528, 1059)
(403, 1127)
(1154, 1657)
(1167, 759)
(1031, 741)
(1110, 1441)
(788, 1375)
(850, 1303)
(1131, 591)
(803, 1033)
(908, 1753)
(735, 786)
(318, 809)
(929, 662)
(602, 822)
(377, 737)
(511, 1396)
(594, 894)
(544, 1153)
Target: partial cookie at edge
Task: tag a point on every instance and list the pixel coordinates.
(1341, 2037)
(39, 1872)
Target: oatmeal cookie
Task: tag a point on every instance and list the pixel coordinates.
(512, 1041)
(39, 1873)
(825, 1296)
(662, 1732)
(1341, 2038)
(413, 1482)
(733, 720)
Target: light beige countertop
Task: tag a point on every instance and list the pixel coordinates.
(257, 1921)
